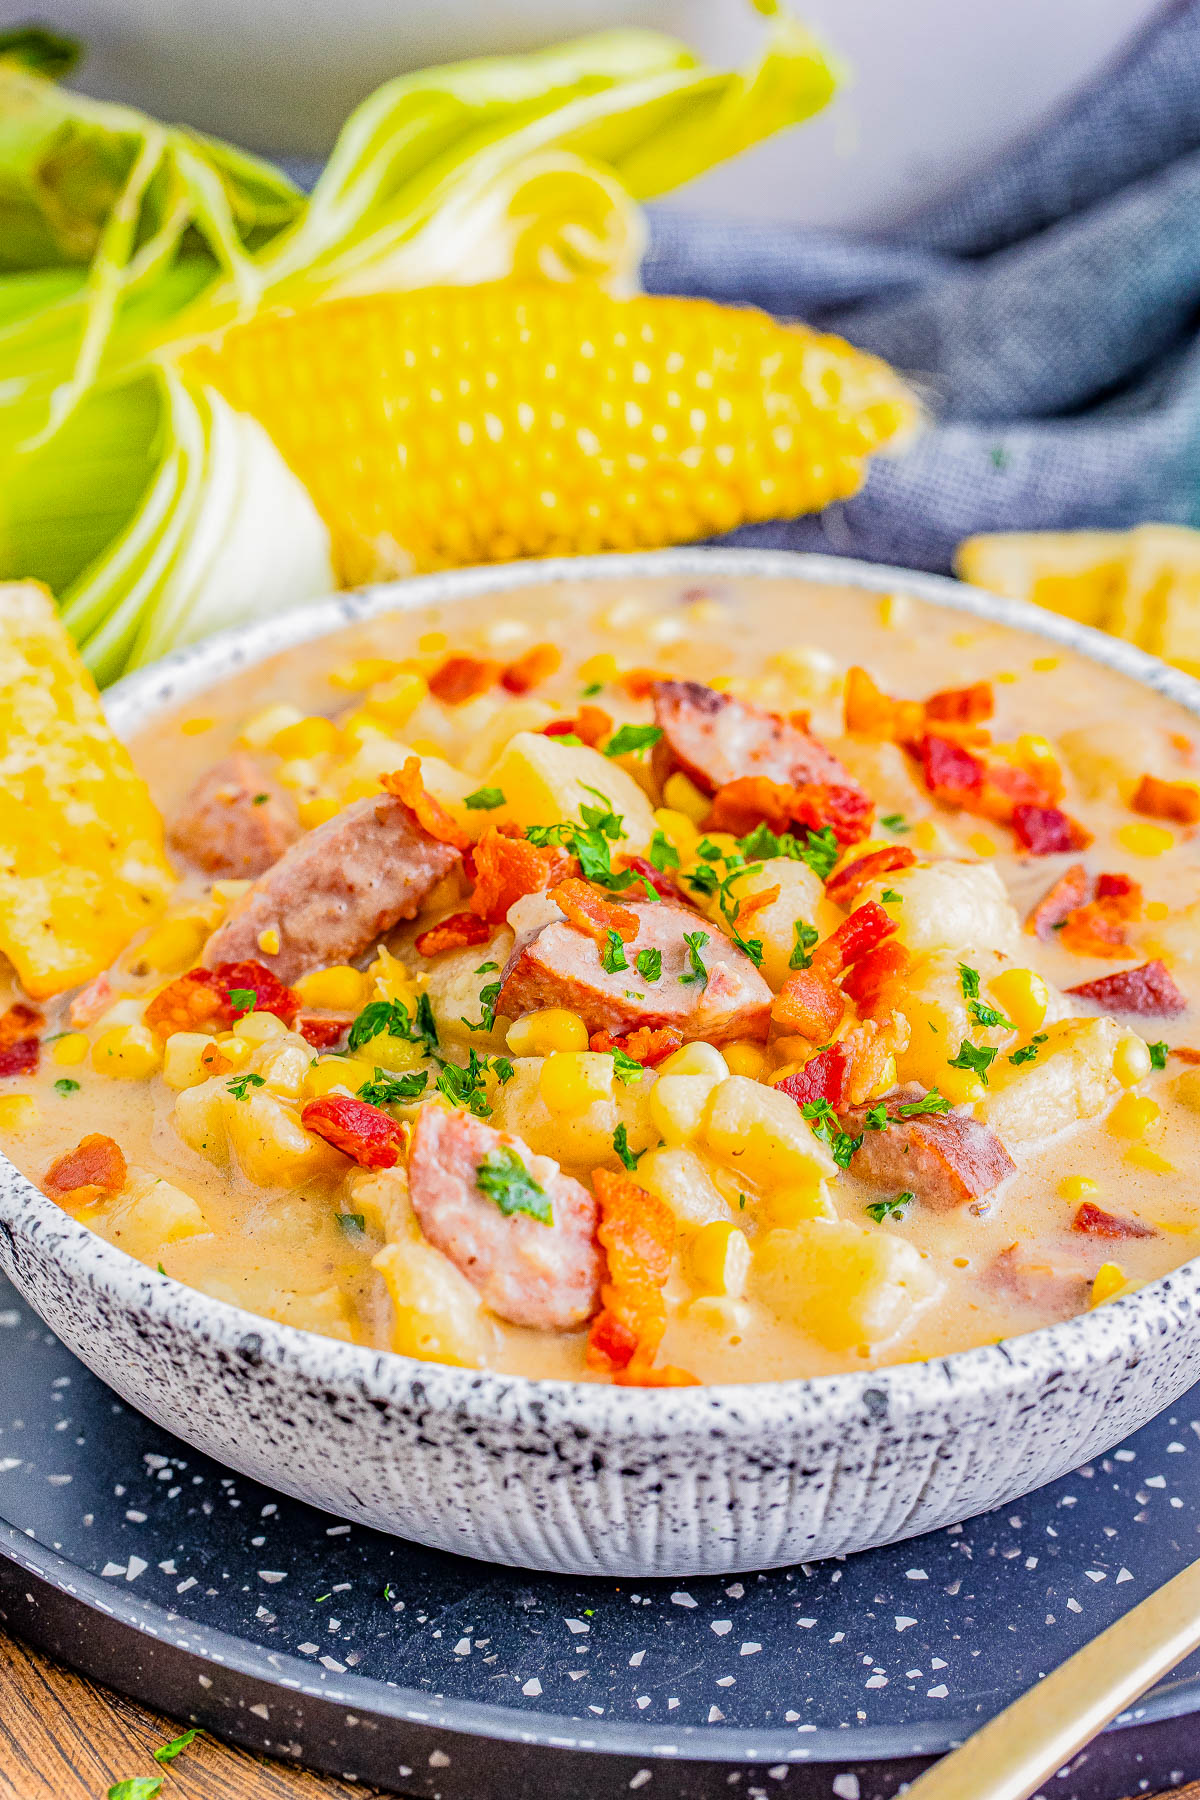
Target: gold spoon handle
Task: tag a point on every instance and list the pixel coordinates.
(1031, 1740)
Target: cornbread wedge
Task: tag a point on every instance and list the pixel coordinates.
(81, 843)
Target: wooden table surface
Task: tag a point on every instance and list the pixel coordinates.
(64, 1738)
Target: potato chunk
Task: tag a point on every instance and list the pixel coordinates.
(545, 782)
(454, 985)
(147, 1216)
(930, 995)
(578, 1140)
(1072, 1079)
(261, 1133)
(950, 906)
(436, 1313)
(801, 896)
(846, 1285)
(761, 1134)
(678, 1177)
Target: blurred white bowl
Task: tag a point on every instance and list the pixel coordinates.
(940, 85)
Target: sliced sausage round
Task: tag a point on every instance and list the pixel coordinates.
(236, 821)
(716, 738)
(546, 1275)
(335, 891)
(945, 1159)
(724, 997)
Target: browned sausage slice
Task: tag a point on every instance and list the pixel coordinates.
(945, 1159)
(1052, 1288)
(335, 891)
(715, 739)
(544, 1275)
(236, 821)
(560, 966)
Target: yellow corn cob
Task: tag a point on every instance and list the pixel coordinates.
(474, 424)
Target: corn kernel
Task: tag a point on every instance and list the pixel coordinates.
(268, 941)
(1045, 664)
(196, 727)
(602, 667)
(391, 978)
(1157, 909)
(719, 1258)
(1023, 996)
(170, 947)
(333, 1075)
(960, 1086)
(932, 835)
(395, 701)
(183, 1059)
(395, 1054)
(259, 1028)
(747, 1059)
(1133, 1115)
(314, 736)
(682, 795)
(261, 727)
(1143, 839)
(233, 1050)
(540, 1033)
(1131, 1060)
(432, 642)
(363, 672)
(695, 1059)
(895, 612)
(1142, 1157)
(678, 1104)
(1005, 677)
(340, 988)
(19, 1112)
(315, 812)
(1077, 1187)
(226, 893)
(70, 1050)
(572, 1080)
(1110, 1279)
(128, 1052)
(789, 1206)
(982, 844)
(678, 828)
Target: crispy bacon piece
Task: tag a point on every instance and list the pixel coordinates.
(952, 773)
(1185, 1053)
(750, 904)
(324, 1031)
(866, 979)
(823, 1077)
(647, 1045)
(872, 713)
(371, 1137)
(1098, 929)
(637, 1234)
(591, 725)
(872, 1047)
(462, 678)
(19, 1045)
(95, 1167)
(664, 884)
(529, 671)
(639, 684)
(1097, 1223)
(1047, 830)
(199, 1000)
(809, 1005)
(1148, 990)
(962, 706)
(20, 1057)
(866, 927)
(1177, 800)
(846, 883)
(590, 912)
(409, 787)
(270, 995)
(454, 933)
(753, 800)
(1120, 887)
(1059, 901)
(507, 867)
(91, 1001)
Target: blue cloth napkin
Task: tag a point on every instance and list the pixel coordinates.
(1048, 314)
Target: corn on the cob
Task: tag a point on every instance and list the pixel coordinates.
(475, 424)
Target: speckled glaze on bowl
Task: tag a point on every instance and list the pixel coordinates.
(590, 1479)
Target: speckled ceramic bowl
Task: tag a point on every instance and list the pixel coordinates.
(574, 1477)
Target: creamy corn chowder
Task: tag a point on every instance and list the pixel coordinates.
(646, 985)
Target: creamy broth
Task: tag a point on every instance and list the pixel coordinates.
(276, 1247)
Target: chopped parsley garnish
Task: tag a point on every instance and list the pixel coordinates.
(649, 964)
(388, 1090)
(890, 1209)
(465, 1086)
(487, 968)
(244, 999)
(663, 853)
(627, 1068)
(751, 947)
(890, 895)
(570, 739)
(591, 690)
(762, 842)
(988, 1017)
(932, 1102)
(894, 822)
(876, 1118)
(389, 1592)
(695, 941)
(66, 1086)
(613, 957)
(977, 1058)
(138, 1787)
(484, 799)
(806, 937)
(240, 1086)
(390, 1017)
(1158, 1056)
(489, 996)
(353, 1224)
(970, 981)
(709, 851)
(426, 1024)
(503, 1177)
(821, 852)
(1028, 1052)
(621, 1145)
(629, 740)
(600, 827)
(703, 879)
(824, 1122)
(260, 799)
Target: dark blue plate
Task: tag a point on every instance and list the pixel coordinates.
(199, 1592)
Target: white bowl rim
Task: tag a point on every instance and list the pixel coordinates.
(734, 1409)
